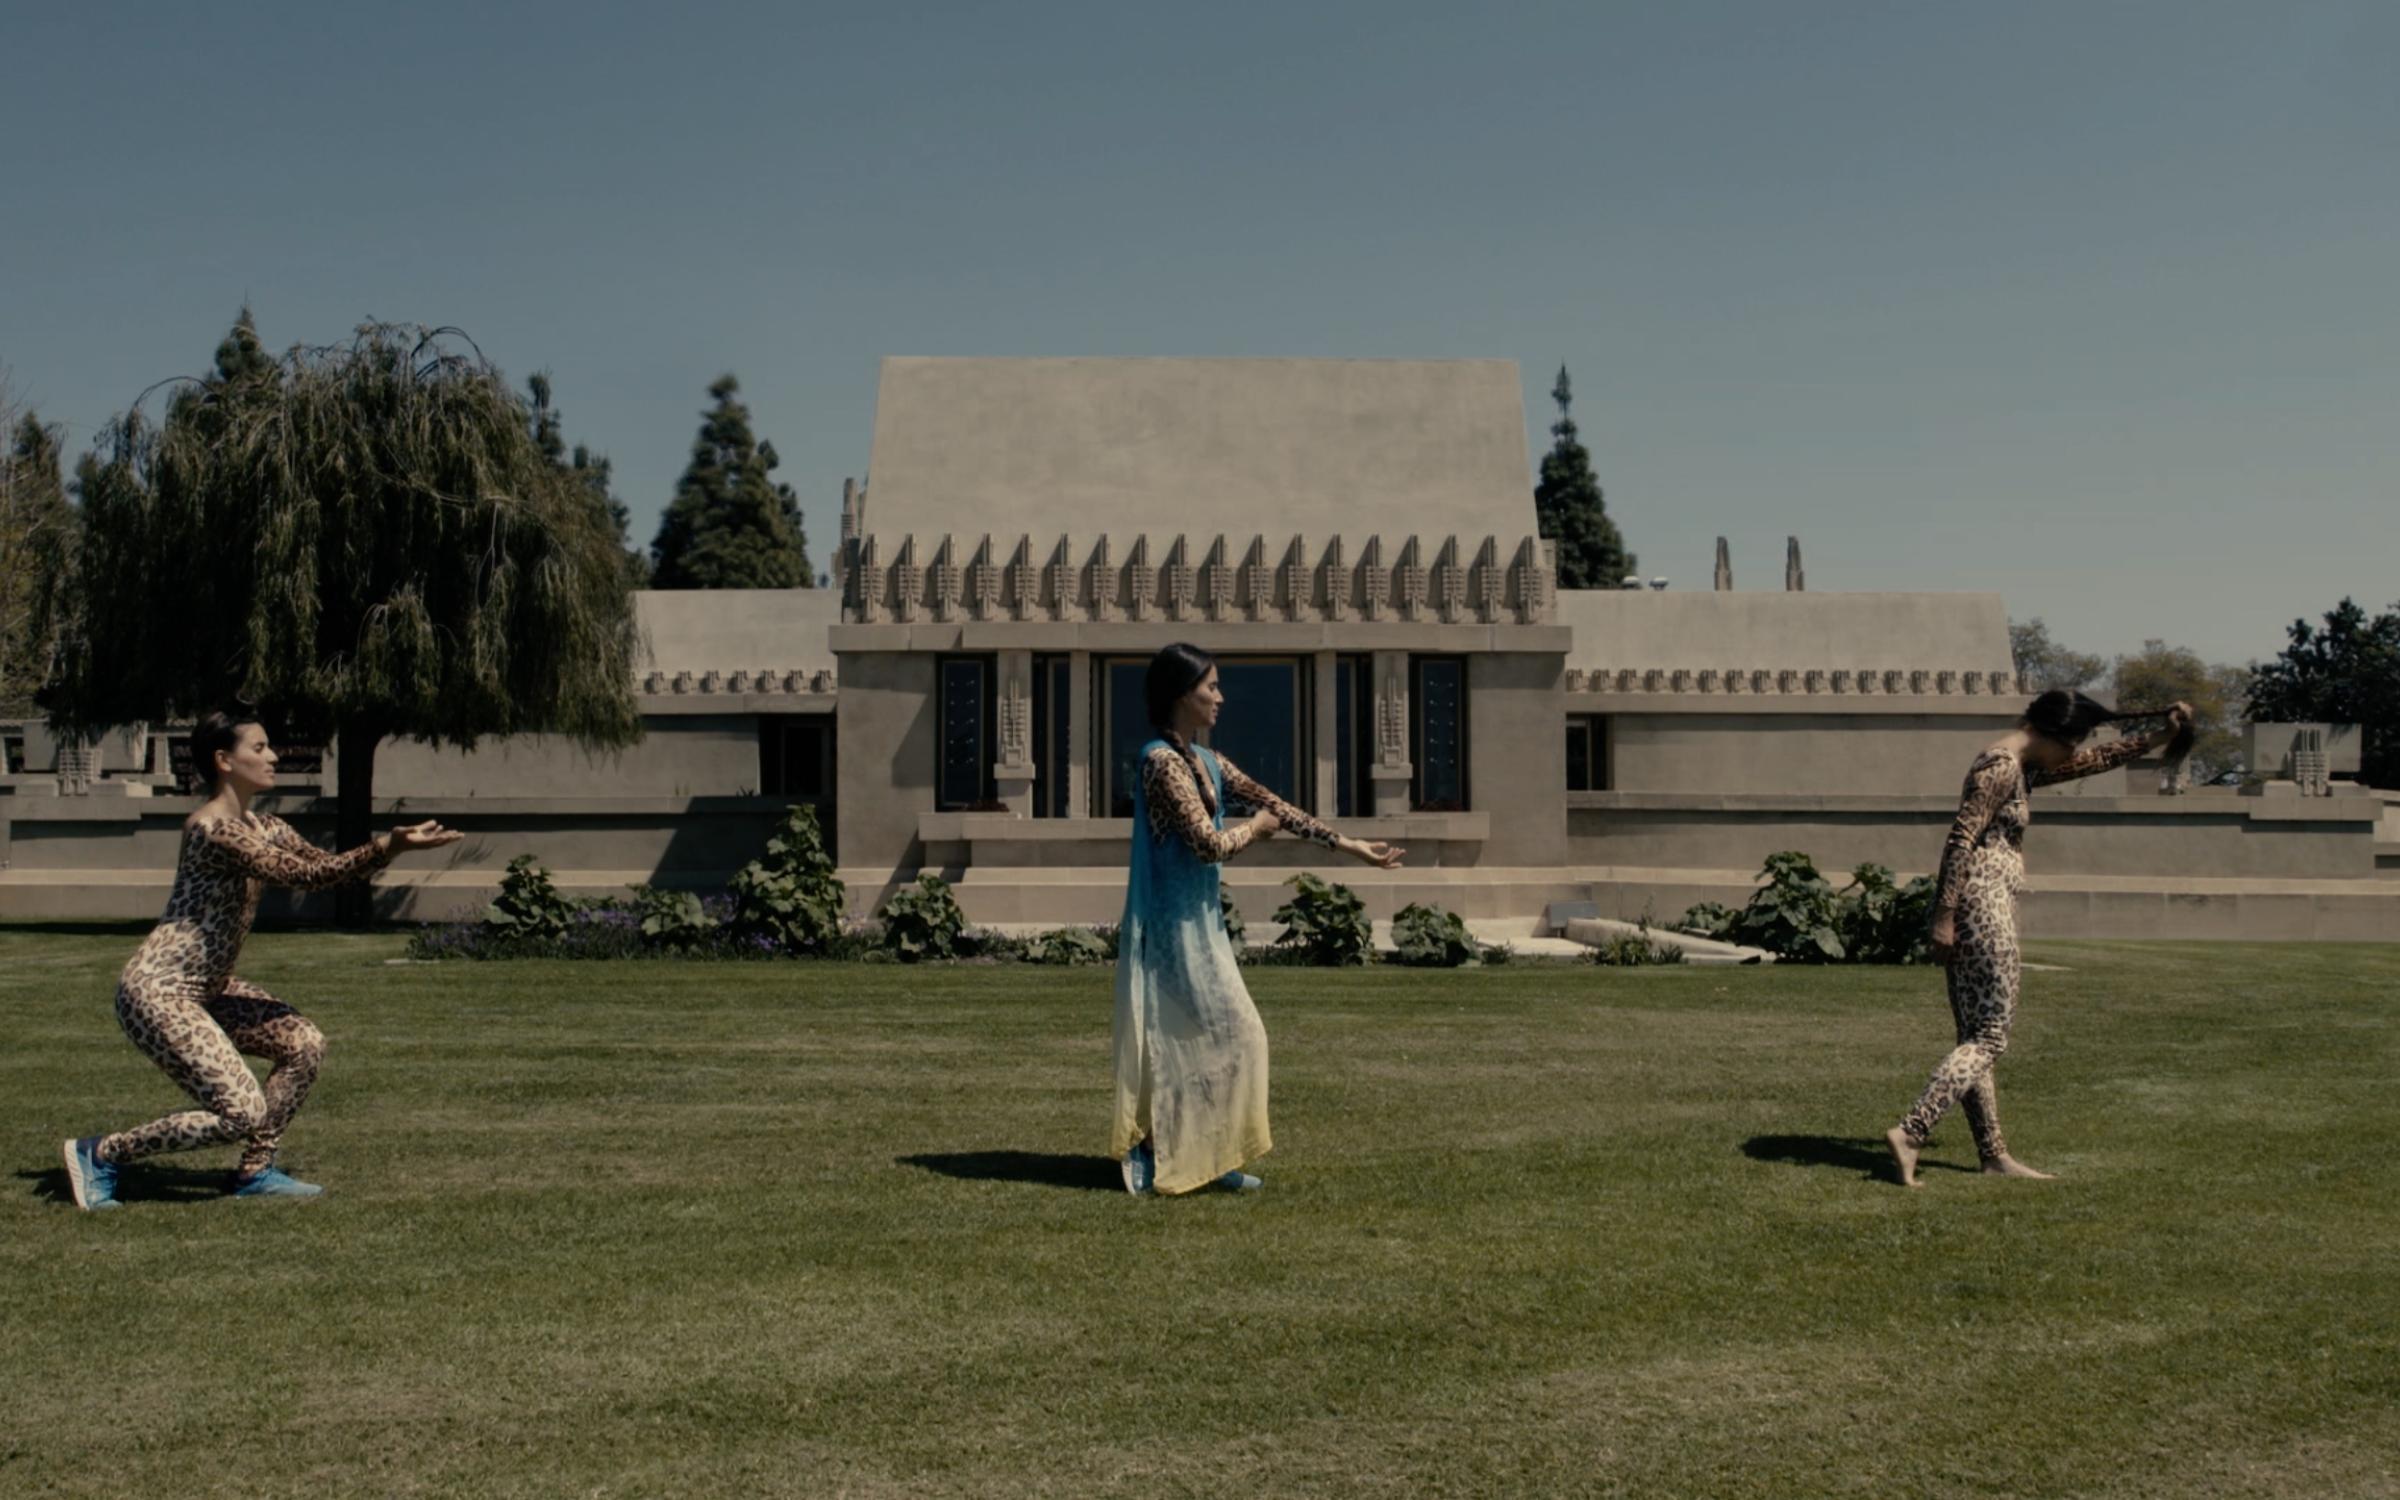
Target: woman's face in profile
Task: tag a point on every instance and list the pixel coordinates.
(1203, 702)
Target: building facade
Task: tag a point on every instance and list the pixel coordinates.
(1355, 542)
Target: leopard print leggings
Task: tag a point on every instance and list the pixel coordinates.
(199, 1044)
(1983, 980)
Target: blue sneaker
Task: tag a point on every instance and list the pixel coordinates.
(93, 1181)
(1138, 1165)
(274, 1182)
(1238, 1181)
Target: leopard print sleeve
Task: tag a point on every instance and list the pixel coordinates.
(1241, 791)
(273, 852)
(1178, 811)
(2095, 760)
(1991, 782)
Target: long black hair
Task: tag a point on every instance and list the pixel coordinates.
(221, 730)
(2069, 717)
(1175, 671)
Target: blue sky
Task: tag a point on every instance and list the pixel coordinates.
(2092, 305)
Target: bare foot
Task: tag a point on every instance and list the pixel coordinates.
(1904, 1155)
(2009, 1166)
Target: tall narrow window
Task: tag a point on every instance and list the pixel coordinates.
(1438, 732)
(1353, 735)
(963, 775)
(1050, 736)
(1265, 715)
(1128, 721)
(1587, 753)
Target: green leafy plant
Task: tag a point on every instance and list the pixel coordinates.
(1073, 945)
(1324, 924)
(790, 894)
(1884, 922)
(1795, 914)
(671, 920)
(1709, 919)
(922, 921)
(1498, 953)
(1633, 950)
(1427, 937)
(529, 905)
(1234, 925)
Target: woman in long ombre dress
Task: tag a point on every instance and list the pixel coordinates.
(1191, 1053)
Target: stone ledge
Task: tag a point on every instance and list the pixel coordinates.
(2046, 807)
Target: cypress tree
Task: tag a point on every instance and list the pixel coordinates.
(731, 525)
(1568, 507)
(37, 528)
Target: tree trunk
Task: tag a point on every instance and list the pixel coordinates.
(354, 815)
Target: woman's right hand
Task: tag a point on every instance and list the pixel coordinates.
(426, 835)
(1945, 938)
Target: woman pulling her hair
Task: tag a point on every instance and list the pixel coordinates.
(1975, 908)
(1191, 1053)
(179, 999)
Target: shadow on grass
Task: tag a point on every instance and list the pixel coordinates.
(138, 1184)
(1866, 1155)
(1040, 1168)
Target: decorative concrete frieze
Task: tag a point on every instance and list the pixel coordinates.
(1797, 681)
(1894, 682)
(1945, 682)
(1058, 582)
(1917, 680)
(1654, 681)
(1841, 681)
(681, 682)
(1181, 587)
(1574, 680)
(1679, 679)
(1255, 583)
(712, 681)
(1141, 581)
(869, 580)
(739, 682)
(1292, 579)
(1707, 682)
(1024, 580)
(1486, 582)
(908, 582)
(945, 582)
(1409, 584)
(1812, 681)
(1449, 582)
(1216, 582)
(1336, 581)
(1531, 573)
(1100, 582)
(984, 600)
(656, 682)
(1374, 583)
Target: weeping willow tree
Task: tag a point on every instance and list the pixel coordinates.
(363, 540)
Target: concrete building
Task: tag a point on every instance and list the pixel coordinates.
(1355, 541)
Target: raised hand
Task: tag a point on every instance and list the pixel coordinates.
(1382, 856)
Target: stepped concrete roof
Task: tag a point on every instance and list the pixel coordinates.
(1313, 447)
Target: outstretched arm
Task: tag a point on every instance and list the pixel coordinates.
(275, 853)
(1240, 789)
(1178, 811)
(2095, 760)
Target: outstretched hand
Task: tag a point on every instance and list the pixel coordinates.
(1381, 856)
(426, 835)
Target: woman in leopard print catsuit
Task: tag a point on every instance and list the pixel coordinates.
(179, 1000)
(1975, 911)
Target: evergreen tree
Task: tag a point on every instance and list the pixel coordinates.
(366, 540)
(2346, 671)
(1568, 506)
(37, 528)
(730, 525)
(590, 472)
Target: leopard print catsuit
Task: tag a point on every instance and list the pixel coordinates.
(181, 1003)
(1983, 870)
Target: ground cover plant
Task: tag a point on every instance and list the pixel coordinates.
(837, 1229)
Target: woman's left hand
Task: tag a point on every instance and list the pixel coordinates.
(2180, 714)
(1381, 856)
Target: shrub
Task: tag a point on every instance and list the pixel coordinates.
(1234, 925)
(790, 895)
(1073, 945)
(530, 906)
(1633, 950)
(1428, 937)
(922, 921)
(1710, 919)
(1324, 925)
(1885, 923)
(674, 921)
(1498, 953)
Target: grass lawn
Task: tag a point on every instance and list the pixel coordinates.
(658, 1229)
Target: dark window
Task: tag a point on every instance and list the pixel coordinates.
(1353, 736)
(1587, 753)
(1050, 737)
(1260, 729)
(963, 775)
(1437, 739)
(1128, 721)
(795, 757)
